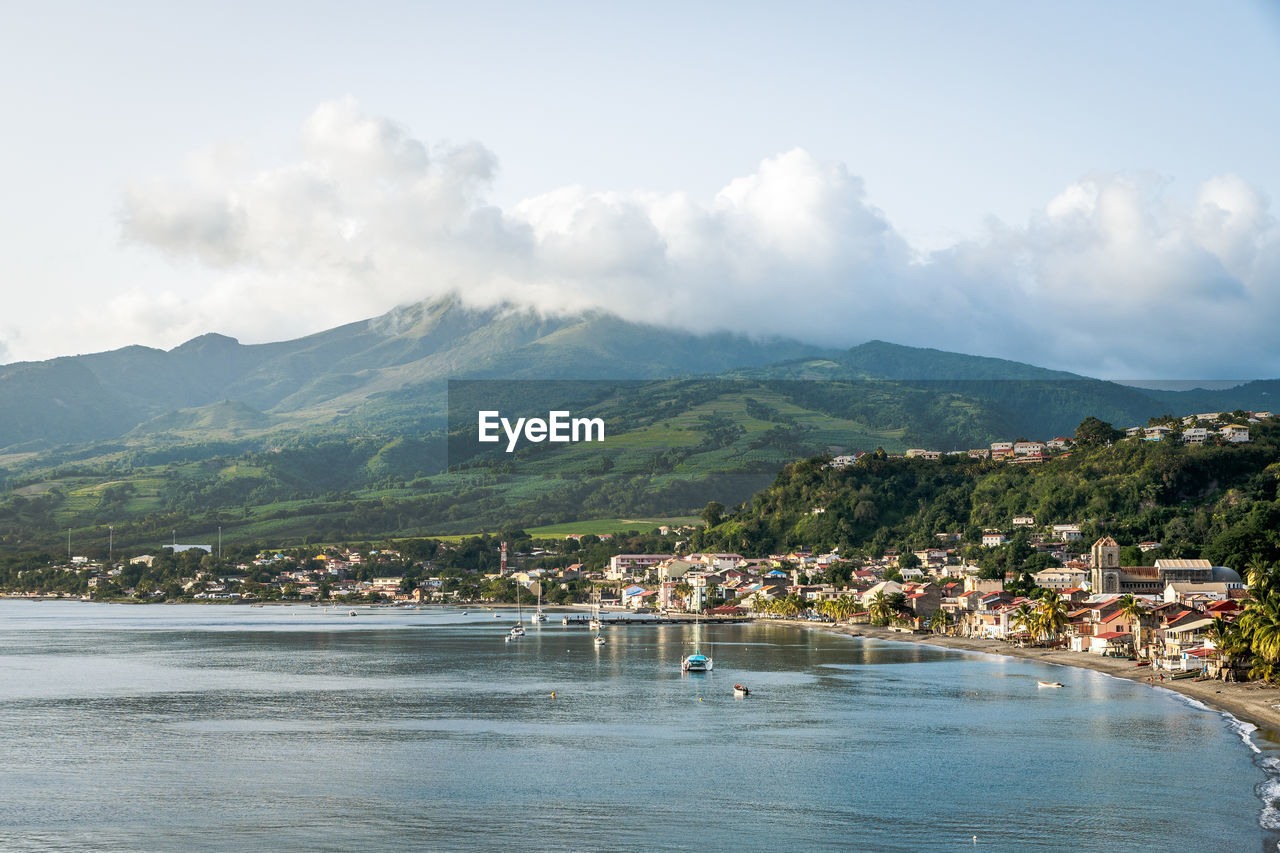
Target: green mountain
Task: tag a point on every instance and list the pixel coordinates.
(391, 367)
(344, 434)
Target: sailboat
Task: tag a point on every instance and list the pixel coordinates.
(538, 615)
(696, 662)
(518, 630)
(595, 623)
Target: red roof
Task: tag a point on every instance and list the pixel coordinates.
(1112, 635)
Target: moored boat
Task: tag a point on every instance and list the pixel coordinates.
(696, 662)
(538, 615)
(741, 690)
(1049, 683)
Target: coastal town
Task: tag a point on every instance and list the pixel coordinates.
(1170, 615)
(1060, 586)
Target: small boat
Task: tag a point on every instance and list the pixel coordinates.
(741, 690)
(497, 616)
(1048, 683)
(353, 613)
(464, 613)
(696, 662)
(538, 615)
(595, 624)
(599, 641)
(517, 631)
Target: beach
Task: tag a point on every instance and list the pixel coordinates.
(1252, 702)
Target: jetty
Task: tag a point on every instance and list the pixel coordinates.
(583, 620)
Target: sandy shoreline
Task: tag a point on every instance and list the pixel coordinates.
(1252, 702)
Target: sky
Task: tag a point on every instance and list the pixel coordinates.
(1085, 186)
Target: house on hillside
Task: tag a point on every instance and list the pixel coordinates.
(1235, 433)
(1067, 532)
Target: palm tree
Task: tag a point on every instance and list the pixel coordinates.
(1025, 617)
(881, 610)
(684, 589)
(790, 605)
(1229, 642)
(940, 620)
(1053, 614)
(1132, 609)
(1260, 623)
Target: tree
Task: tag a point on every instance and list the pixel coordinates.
(1093, 432)
(1260, 621)
(1229, 641)
(1053, 614)
(1133, 609)
(880, 610)
(713, 514)
(940, 621)
(1025, 618)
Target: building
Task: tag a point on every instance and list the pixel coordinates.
(1067, 532)
(1195, 435)
(1109, 577)
(1060, 579)
(622, 565)
(846, 460)
(1236, 433)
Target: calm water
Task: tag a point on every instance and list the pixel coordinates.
(217, 728)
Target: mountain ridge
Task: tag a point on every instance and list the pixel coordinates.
(393, 368)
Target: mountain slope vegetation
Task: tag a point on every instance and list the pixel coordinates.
(345, 433)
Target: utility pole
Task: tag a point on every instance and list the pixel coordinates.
(68, 543)
(111, 541)
(219, 541)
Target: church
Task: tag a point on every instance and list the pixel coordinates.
(1108, 576)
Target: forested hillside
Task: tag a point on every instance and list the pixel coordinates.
(1219, 502)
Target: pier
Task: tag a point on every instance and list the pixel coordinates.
(583, 620)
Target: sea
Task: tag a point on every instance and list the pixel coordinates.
(214, 728)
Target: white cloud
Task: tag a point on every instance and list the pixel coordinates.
(1113, 277)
